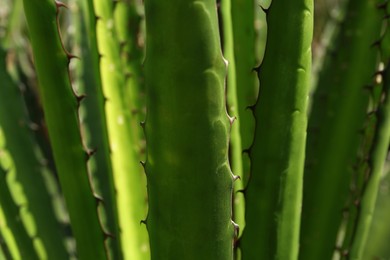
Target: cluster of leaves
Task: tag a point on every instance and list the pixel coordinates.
(89, 92)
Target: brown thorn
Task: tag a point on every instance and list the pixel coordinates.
(60, 4)
(367, 160)
(98, 198)
(143, 164)
(232, 120)
(142, 124)
(265, 10)
(128, 75)
(338, 248)
(144, 221)
(257, 69)
(376, 43)
(237, 243)
(243, 191)
(108, 235)
(356, 203)
(236, 229)
(371, 113)
(134, 111)
(80, 97)
(345, 210)
(97, 18)
(382, 5)
(71, 56)
(246, 151)
(236, 177)
(7, 171)
(251, 107)
(378, 73)
(122, 44)
(115, 2)
(90, 153)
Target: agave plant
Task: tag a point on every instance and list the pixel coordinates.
(194, 129)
